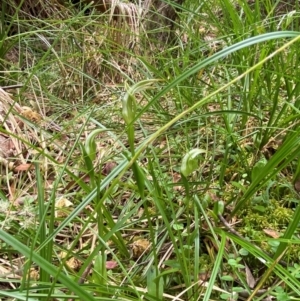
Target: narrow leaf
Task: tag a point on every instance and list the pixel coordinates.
(46, 266)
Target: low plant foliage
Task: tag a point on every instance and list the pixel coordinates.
(133, 169)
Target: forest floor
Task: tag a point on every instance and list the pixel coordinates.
(133, 169)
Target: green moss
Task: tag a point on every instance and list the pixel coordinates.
(275, 217)
(205, 263)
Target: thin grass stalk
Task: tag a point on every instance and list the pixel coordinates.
(160, 202)
(100, 259)
(163, 199)
(265, 259)
(3, 41)
(46, 251)
(221, 54)
(49, 268)
(127, 164)
(196, 243)
(119, 171)
(289, 232)
(278, 161)
(40, 237)
(50, 49)
(265, 276)
(216, 268)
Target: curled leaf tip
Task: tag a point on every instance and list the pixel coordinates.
(190, 161)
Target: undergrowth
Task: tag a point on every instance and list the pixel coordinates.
(133, 169)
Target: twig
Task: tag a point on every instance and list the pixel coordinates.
(228, 227)
(11, 87)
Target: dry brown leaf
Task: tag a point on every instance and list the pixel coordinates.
(297, 185)
(34, 274)
(272, 233)
(23, 167)
(249, 277)
(63, 254)
(204, 276)
(72, 263)
(140, 212)
(6, 147)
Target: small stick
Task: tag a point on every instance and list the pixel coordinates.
(12, 87)
(228, 227)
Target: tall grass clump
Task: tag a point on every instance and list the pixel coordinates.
(133, 174)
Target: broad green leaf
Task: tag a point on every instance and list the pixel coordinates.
(243, 252)
(154, 283)
(99, 271)
(227, 278)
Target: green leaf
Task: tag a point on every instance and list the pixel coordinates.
(225, 52)
(289, 232)
(227, 278)
(99, 272)
(128, 108)
(225, 296)
(139, 177)
(280, 271)
(178, 227)
(129, 101)
(88, 165)
(232, 262)
(258, 168)
(216, 269)
(90, 144)
(46, 266)
(238, 289)
(243, 252)
(154, 283)
(218, 208)
(275, 164)
(190, 161)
